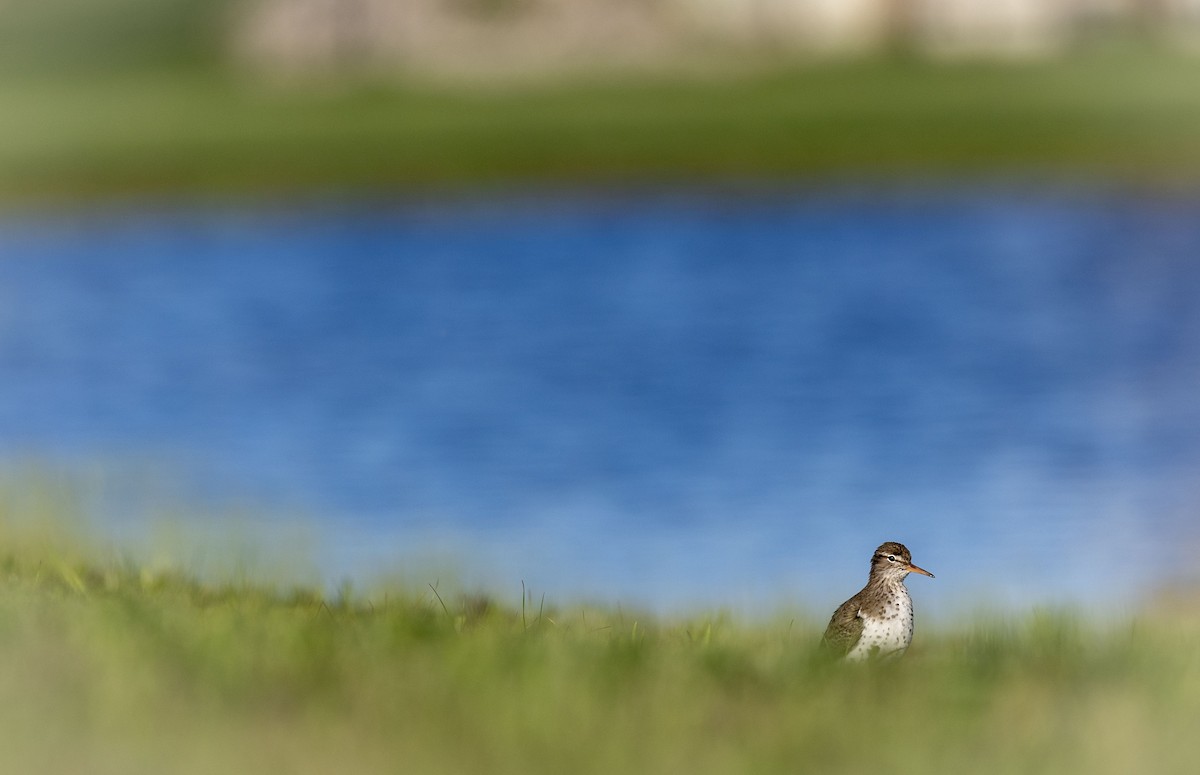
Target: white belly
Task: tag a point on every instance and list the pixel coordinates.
(888, 634)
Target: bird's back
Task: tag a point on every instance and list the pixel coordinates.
(845, 628)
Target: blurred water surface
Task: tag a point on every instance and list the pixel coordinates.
(672, 399)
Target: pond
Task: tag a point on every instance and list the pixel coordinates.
(660, 398)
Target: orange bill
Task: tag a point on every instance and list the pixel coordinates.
(914, 569)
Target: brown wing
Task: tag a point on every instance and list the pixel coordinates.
(844, 630)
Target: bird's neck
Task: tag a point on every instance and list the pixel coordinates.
(882, 591)
(887, 582)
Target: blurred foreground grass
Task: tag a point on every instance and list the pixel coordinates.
(107, 667)
(1129, 117)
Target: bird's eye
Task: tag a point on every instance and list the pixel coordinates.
(891, 558)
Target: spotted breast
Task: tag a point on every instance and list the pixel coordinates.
(887, 630)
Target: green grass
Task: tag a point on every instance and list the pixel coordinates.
(1132, 117)
(107, 667)
(80, 36)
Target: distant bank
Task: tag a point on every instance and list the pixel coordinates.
(487, 38)
(1125, 118)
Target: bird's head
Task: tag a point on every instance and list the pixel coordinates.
(894, 561)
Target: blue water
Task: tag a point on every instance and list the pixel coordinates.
(651, 398)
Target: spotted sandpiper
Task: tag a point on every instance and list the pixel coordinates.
(878, 621)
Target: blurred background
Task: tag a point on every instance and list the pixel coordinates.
(681, 304)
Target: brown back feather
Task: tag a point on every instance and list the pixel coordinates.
(844, 630)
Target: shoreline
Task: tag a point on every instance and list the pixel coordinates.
(1115, 121)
